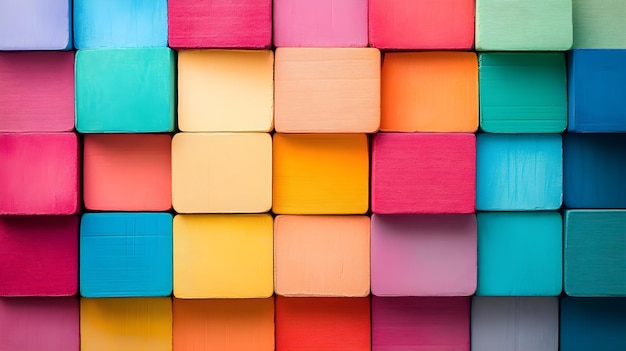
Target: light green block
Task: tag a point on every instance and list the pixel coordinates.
(599, 24)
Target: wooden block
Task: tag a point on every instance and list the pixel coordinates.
(39, 174)
(595, 243)
(132, 324)
(220, 24)
(322, 256)
(421, 24)
(320, 174)
(36, 91)
(327, 90)
(38, 255)
(36, 25)
(403, 263)
(34, 324)
(322, 323)
(125, 90)
(523, 25)
(420, 323)
(222, 172)
(423, 173)
(520, 253)
(523, 92)
(224, 324)
(599, 24)
(593, 324)
(225, 91)
(522, 172)
(223, 256)
(126, 254)
(322, 23)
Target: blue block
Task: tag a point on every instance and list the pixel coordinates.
(126, 254)
(519, 172)
(597, 82)
(593, 324)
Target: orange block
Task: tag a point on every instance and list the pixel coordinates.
(429, 92)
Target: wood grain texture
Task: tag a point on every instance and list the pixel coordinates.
(36, 25)
(593, 324)
(599, 24)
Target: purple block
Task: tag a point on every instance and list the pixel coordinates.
(36, 25)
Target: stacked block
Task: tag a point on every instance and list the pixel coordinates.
(36, 25)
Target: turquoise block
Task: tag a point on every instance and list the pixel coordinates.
(519, 172)
(523, 92)
(125, 90)
(595, 253)
(126, 254)
(519, 254)
(593, 324)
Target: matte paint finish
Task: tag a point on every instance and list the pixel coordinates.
(593, 324)
(599, 24)
(36, 25)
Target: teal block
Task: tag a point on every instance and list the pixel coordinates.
(595, 253)
(125, 90)
(523, 92)
(599, 24)
(593, 324)
(519, 254)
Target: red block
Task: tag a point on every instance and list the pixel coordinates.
(423, 173)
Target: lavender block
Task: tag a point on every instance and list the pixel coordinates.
(36, 25)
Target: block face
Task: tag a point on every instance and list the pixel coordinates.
(523, 92)
(327, 90)
(36, 25)
(39, 174)
(429, 92)
(322, 256)
(520, 254)
(599, 25)
(220, 24)
(125, 90)
(519, 172)
(233, 251)
(126, 254)
(222, 172)
(225, 91)
(36, 91)
(523, 25)
(423, 173)
(320, 174)
(593, 323)
(421, 24)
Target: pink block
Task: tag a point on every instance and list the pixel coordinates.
(38, 255)
(35, 324)
(37, 91)
(39, 173)
(423, 255)
(320, 23)
(219, 24)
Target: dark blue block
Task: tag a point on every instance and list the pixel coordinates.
(593, 324)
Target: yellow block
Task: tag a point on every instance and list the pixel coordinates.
(223, 256)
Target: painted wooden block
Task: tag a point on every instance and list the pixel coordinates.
(224, 324)
(225, 90)
(599, 24)
(429, 92)
(223, 256)
(423, 173)
(39, 174)
(322, 23)
(593, 324)
(222, 172)
(519, 172)
(126, 254)
(125, 90)
(34, 324)
(320, 174)
(322, 256)
(220, 24)
(520, 253)
(595, 253)
(327, 90)
(38, 255)
(523, 92)
(420, 323)
(36, 91)
(421, 24)
(515, 323)
(523, 25)
(403, 259)
(596, 80)
(36, 25)
(126, 324)
(323, 323)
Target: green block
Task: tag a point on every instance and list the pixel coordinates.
(599, 24)
(125, 90)
(523, 92)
